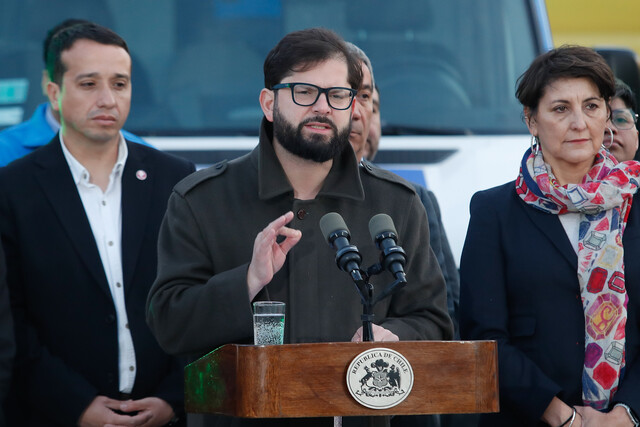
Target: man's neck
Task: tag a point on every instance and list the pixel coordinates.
(306, 176)
(97, 158)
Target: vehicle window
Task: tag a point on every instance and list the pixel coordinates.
(442, 66)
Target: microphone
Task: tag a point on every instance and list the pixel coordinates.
(384, 234)
(335, 230)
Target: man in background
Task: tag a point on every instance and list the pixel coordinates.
(79, 219)
(21, 139)
(363, 109)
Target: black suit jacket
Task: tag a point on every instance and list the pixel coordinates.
(519, 286)
(65, 318)
(7, 343)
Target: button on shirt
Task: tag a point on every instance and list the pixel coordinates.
(105, 217)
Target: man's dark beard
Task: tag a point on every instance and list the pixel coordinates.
(313, 148)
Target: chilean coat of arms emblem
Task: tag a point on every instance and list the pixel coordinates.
(379, 378)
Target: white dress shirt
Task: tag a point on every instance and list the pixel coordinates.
(105, 217)
(571, 224)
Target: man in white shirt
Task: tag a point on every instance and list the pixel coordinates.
(79, 220)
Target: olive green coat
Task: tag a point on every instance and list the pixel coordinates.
(200, 298)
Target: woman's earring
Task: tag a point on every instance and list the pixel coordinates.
(535, 145)
(607, 147)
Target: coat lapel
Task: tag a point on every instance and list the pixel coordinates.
(551, 227)
(138, 180)
(59, 188)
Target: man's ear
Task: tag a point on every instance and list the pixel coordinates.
(267, 103)
(54, 93)
(43, 82)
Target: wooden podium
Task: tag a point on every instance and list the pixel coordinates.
(309, 380)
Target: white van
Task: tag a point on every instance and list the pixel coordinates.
(446, 70)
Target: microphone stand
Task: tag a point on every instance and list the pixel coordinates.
(365, 289)
(367, 314)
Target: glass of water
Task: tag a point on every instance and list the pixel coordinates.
(268, 322)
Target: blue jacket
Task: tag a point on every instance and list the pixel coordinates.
(21, 139)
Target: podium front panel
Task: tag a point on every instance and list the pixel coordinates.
(309, 380)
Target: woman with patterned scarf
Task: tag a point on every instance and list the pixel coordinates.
(551, 263)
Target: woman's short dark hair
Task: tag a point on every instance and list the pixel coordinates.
(624, 92)
(301, 50)
(66, 37)
(564, 62)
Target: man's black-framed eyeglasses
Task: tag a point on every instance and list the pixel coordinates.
(624, 118)
(306, 94)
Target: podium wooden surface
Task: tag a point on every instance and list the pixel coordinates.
(309, 380)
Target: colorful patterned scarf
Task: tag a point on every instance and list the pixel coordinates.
(603, 200)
